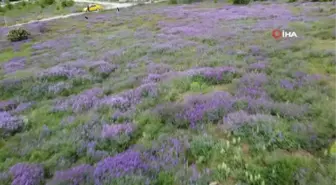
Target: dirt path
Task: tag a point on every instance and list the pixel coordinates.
(107, 5)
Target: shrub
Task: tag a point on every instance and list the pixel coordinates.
(291, 1)
(67, 3)
(2, 9)
(46, 2)
(9, 6)
(18, 35)
(241, 1)
(172, 1)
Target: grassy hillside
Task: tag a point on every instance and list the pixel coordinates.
(172, 95)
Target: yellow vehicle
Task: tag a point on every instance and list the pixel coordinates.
(93, 7)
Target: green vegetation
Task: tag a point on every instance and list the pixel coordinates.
(18, 35)
(25, 11)
(241, 2)
(173, 95)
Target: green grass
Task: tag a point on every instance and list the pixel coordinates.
(22, 14)
(265, 152)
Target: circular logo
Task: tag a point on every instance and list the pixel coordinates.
(276, 34)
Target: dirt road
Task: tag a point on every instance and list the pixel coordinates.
(107, 5)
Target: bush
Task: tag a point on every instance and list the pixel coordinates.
(241, 1)
(67, 3)
(18, 35)
(9, 6)
(291, 1)
(2, 9)
(46, 2)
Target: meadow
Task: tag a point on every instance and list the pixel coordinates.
(172, 95)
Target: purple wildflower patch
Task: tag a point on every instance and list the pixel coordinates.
(102, 67)
(79, 103)
(59, 87)
(152, 78)
(167, 154)
(62, 71)
(237, 119)
(9, 124)
(82, 174)
(158, 68)
(14, 64)
(37, 28)
(117, 102)
(287, 84)
(252, 85)
(211, 107)
(57, 43)
(27, 174)
(126, 163)
(258, 66)
(219, 75)
(171, 46)
(23, 106)
(126, 99)
(114, 130)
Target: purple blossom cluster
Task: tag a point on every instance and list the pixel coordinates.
(211, 107)
(109, 55)
(78, 175)
(208, 21)
(300, 80)
(143, 34)
(68, 120)
(262, 105)
(123, 101)
(58, 87)
(152, 78)
(37, 27)
(219, 74)
(258, 66)
(114, 130)
(27, 174)
(9, 124)
(23, 106)
(154, 68)
(237, 119)
(14, 64)
(79, 103)
(117, 102)
(102, 67)
(129, 162)
(307, 79)
(252, 85)
(287, 84)
(55, 43)
(167, 154)
(62, 71)
(171, 46)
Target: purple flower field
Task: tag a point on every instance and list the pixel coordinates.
(192, 94)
